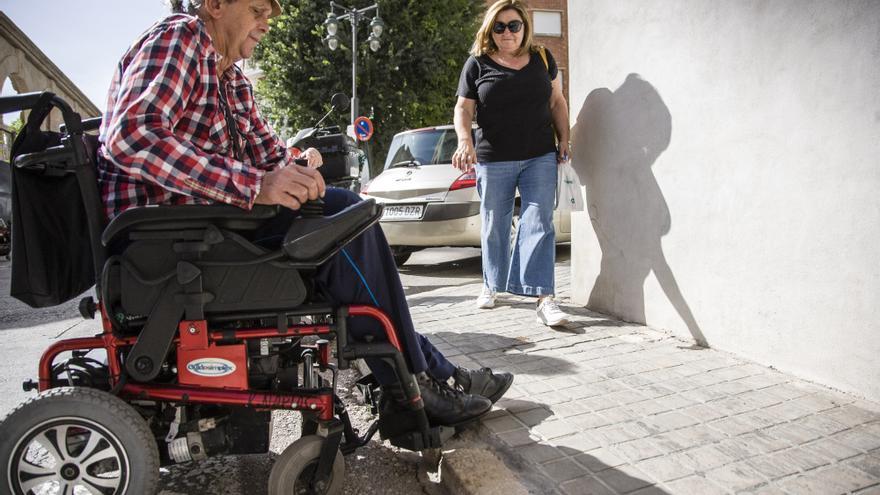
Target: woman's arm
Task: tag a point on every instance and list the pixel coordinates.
(465, 156)
(559, 114)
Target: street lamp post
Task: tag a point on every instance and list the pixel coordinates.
(354, 16)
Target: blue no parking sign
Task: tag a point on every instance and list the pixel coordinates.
(363, 128)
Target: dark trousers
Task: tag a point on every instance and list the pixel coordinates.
(364, 273)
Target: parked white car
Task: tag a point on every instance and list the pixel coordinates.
(428, 202)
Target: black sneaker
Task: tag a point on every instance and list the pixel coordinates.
(447, 406)
(482, 382)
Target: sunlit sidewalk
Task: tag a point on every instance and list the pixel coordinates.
(606, 407)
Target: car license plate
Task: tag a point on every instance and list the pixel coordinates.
(402, 212)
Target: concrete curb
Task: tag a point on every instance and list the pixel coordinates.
(467, 465)
(475, 470)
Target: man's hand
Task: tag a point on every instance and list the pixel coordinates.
(291, 186)
(311, 155)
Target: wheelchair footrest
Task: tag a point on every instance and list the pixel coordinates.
(415, 440)
(400, 426)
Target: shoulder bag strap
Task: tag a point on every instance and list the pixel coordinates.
(543, 54)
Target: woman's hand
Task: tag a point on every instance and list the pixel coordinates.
(465, 157)
(312, 157)
(563, 153)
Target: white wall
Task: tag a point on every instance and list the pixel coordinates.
(731, 156)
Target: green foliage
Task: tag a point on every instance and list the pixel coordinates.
(176, 5)
(7, 136)
(409, 83)
(16, 126)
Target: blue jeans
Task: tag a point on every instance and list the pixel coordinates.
(364, 273)
(528, 270)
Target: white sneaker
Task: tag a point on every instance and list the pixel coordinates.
(550, 314)
(486, 299)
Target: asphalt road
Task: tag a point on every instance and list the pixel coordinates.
(375, 468)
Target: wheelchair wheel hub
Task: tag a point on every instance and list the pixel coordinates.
(68, 453)
(69, 472)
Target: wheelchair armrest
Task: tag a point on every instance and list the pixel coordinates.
(315, 239)
(186, 217)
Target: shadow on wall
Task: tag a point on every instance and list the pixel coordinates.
(617, 138)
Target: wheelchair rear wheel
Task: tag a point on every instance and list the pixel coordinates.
(294, 469)
(78, 440)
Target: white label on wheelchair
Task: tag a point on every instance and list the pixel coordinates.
(211, 367)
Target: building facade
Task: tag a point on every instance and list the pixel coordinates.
(29, 70)
(729, 152)
(550, 20)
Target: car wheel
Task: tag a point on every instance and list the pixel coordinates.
(401, 255)
(400, 259)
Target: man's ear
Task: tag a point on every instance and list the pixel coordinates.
(214, 8)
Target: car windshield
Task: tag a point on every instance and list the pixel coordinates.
(429, 147)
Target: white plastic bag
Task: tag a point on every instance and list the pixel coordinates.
(568, 189)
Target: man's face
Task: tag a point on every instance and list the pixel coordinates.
(243, 24)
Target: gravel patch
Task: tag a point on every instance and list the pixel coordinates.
(377, 467)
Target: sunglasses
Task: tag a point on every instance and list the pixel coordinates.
(513, 26)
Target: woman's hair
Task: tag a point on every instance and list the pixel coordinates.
(484, 44)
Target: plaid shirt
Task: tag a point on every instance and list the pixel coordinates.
(165, 138)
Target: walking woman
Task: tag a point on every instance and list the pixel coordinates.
(514, 89)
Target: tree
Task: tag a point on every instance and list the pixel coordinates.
(181, 6)
(409, 83)
(16, 126)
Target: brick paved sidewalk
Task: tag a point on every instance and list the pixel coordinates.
(606, 407)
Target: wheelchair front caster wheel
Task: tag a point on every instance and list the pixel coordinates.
(77, 440)
(294, 470)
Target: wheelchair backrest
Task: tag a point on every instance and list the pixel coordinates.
(57, 213)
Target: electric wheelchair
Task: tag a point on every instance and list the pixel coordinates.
(204, 333)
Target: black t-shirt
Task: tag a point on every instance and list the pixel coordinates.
(513, 107)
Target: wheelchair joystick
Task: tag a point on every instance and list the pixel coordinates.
(313, 208)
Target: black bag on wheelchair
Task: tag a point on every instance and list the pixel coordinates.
(51, 253)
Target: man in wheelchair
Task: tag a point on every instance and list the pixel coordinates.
(182, 127)
(209, 248)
